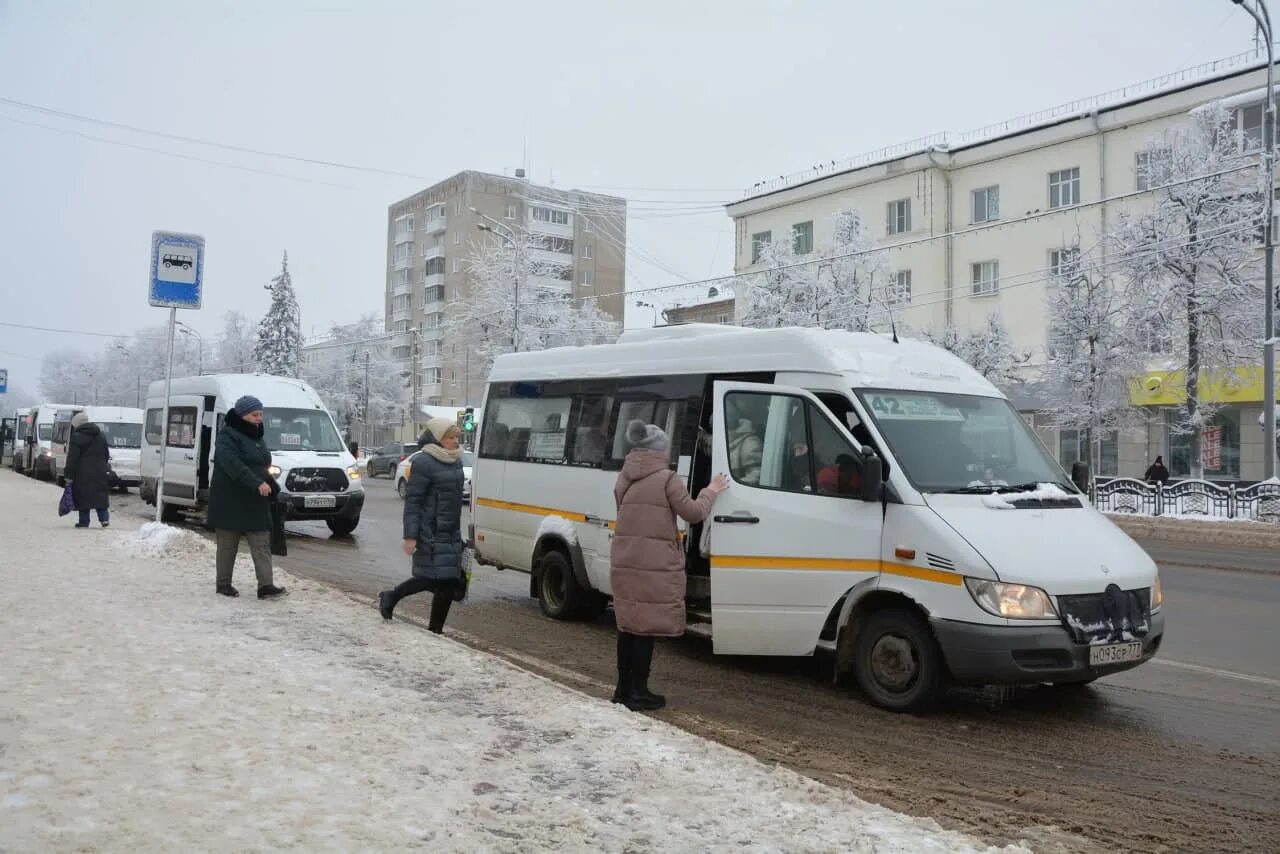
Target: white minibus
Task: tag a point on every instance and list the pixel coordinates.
(121, 426)
(317, 475)
(888, 505)
(18, 441)
(37, 460)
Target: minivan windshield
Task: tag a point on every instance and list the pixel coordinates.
(299, 430)
(961, 443)
(121, 435)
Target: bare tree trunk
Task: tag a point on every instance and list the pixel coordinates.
(1193, 384)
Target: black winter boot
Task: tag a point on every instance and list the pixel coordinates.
(227, 590)
(641, 698)
(623, 690)
(386, 604)
(440, 602)
(270, 591)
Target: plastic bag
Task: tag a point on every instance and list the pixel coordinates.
(68, 501)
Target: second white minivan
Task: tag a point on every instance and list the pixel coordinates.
(318, 476)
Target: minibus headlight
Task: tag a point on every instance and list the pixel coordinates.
(1012, 601)
(1157, 594)
(353, 473)
(274, 471)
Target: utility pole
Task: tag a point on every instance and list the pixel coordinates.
(413, 379)
(466, 383)
(366, 398)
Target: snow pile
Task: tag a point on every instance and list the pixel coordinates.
(142, 712)
(156, 539)
(1042, 492)
(559, 526)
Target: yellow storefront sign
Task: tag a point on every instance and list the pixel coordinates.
(1169, 388)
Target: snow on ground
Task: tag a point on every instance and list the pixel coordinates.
(141, 712)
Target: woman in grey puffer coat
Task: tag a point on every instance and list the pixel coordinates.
(433, 524)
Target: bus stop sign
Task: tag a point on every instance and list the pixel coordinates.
(177, 270)
(4, 380)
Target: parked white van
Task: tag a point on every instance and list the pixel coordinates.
(888, 505)
(317, 474)
(37, 453)
(121, 426)
(18, 440)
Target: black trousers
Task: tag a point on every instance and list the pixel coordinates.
(635, 657)
(441, 599)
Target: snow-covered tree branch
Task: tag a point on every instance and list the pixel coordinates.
(279, 345)
(989, 351)
(339, 367)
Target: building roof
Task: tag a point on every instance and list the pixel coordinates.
(1147, 90)
(859, 359)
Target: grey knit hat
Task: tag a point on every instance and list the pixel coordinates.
(648, 436)
(247, 404)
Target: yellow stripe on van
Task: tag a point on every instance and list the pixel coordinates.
(531, 508)
(835, 564)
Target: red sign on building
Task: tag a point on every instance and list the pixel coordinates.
(1211, 448)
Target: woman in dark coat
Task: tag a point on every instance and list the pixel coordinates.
(240, 497)
(87, 470)
(433, 524)
(1157, 473)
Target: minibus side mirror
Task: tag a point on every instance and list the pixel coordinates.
(872, 475)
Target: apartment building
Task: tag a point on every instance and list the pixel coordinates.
(716, 310)
(431, 236)
(984, 221)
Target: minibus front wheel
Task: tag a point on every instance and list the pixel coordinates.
(897, 661)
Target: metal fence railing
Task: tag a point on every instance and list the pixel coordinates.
(1259, 501)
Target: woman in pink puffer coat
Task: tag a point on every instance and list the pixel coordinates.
(647, 573)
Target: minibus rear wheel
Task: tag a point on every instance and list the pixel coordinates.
(559, 594)
(897, 661)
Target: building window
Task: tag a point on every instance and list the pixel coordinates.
(1070, 450)
(586, 251)
(1248, 121)
(399, 277)
(457, 238)
(457, 207)
(586, 225)
(899, 217)
(802, 237)
(433, 267)
(1064, 263)
(551, 215)
(1064, 188)
(1151, 167)
(457, 265)
(759, 241)
(986, 278)
(402, 251)
(511, 212)
(986, 204)
(1219, 445)
(899, 290)
(588, 278)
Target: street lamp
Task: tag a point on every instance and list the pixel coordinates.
(509, 234)
(1262, 17)
(187, 330)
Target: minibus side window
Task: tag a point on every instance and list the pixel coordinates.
(154, 434)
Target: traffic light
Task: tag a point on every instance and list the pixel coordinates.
(469, 420)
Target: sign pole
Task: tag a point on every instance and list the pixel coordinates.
(164, 417)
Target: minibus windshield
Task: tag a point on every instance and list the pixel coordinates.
(122, 434)
(961, 443)
(299, 430)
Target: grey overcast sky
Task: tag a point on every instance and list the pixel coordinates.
(661, 101)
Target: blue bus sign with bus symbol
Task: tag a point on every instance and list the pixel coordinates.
(177, 270)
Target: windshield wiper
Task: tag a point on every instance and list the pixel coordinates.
(999, 488)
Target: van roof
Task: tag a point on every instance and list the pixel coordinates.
(271, 390)
(114, 414)
(862, 359)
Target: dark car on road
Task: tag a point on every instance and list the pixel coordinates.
(384, 460)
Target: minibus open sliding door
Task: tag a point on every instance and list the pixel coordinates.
(790, 536)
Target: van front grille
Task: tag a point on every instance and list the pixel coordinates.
(316, 480)
(1113, 615)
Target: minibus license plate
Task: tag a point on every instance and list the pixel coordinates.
(319, 501)
(1114, 653)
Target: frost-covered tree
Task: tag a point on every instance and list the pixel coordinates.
(520, 299)
(989, 351)
(1091, 353)
(1191, 260)
(843, 287)
(336, 369)
(235, 346)
(279, 345)
(117, 375)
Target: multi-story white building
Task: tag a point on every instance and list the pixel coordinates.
(979, 222)
(431, 236)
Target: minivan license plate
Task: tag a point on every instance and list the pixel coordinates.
(315, 502)
(1114, 653)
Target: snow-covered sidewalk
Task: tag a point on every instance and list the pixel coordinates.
(140, 712)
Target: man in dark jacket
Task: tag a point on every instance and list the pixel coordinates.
(87, 470)
(240, 497)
